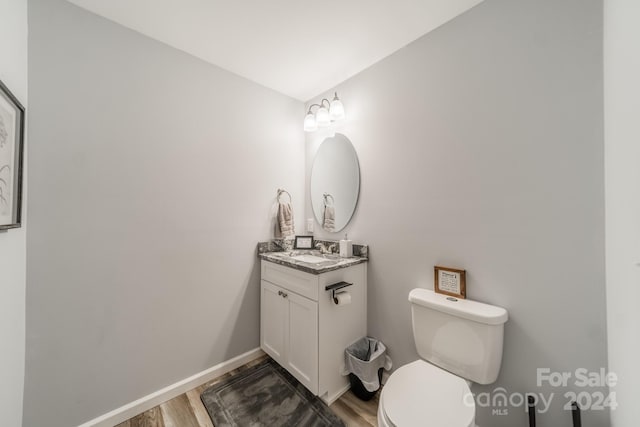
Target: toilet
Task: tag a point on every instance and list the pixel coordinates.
(459, 341)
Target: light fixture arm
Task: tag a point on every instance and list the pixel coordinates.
(319, 105)
(311, 106)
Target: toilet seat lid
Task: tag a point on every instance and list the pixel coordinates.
(421, 392)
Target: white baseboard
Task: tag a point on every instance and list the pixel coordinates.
(330, 399)
(145, 403)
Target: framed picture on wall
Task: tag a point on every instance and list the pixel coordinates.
(11, 153)
(450, 281)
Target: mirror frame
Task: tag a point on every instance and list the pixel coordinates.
(318, 216)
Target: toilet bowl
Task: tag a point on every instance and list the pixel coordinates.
(420, 394)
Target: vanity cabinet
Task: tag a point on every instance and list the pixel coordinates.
(289, 332)
(304, 331)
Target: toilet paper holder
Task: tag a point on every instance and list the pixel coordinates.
(336, 287)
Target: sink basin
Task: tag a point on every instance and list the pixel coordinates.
(311, 259)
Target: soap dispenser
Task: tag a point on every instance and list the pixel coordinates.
(346, 247)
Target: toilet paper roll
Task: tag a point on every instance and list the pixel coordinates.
(342, 298)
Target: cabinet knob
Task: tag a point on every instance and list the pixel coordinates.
(284, 295)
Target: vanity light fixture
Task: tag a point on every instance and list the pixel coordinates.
(324, 116)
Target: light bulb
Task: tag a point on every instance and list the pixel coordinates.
(322, 117)
(310, 124)
(336, 109)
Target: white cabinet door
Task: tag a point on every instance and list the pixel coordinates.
(274, 321)
(302, 343)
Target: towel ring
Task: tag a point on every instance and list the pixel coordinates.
(326, 197)
(280, 191)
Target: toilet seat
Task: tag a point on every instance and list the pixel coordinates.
(420, 394)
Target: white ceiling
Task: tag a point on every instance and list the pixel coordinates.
(298, 47)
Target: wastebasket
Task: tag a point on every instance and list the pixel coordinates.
(365, 360)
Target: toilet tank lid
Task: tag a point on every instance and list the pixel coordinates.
(471, 310)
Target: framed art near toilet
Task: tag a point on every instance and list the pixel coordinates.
(450, 281)
(11, 152)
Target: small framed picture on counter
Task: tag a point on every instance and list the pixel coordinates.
(303, 242)
(450, 281)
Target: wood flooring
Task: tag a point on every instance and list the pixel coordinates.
(187, 410)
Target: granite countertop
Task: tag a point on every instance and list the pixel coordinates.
(274, 253)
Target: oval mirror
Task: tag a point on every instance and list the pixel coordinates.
(335, 183)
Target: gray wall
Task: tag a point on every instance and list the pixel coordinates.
(153, 176)
(481, 147)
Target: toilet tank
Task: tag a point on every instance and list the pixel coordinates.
(461, 336)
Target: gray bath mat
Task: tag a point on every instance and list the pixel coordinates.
(266, 395)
